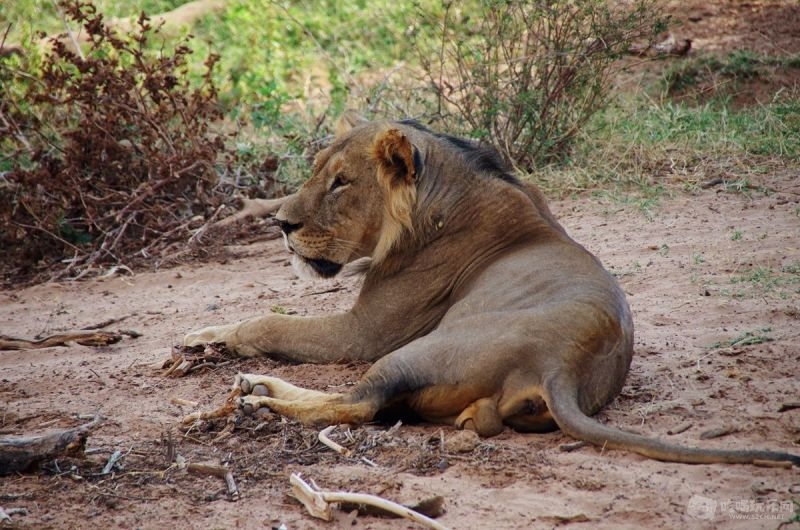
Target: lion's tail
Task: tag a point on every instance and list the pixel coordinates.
(562, 400)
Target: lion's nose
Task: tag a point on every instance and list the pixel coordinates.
(288, 227)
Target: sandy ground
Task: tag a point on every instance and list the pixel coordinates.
(713, 278)
(701, 270)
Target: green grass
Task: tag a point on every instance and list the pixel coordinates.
(288, 68)
(319, 53)
(765, 130)
(748, 338)
(766, 281)
(634, 268)
(271, 51)
(686, 75)
(27, 17)
(639, 142)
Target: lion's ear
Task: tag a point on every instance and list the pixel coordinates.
(348, 120)
(397, 158)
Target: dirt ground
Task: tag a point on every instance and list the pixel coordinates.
(694, 287)
(712, 276)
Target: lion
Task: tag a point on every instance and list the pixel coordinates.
(477, 308)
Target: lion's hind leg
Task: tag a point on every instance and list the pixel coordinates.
(309, 407)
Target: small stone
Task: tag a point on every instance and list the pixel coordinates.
(462, 441)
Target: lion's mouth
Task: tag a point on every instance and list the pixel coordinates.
(323, 267)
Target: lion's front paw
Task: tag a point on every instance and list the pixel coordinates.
(223, 334)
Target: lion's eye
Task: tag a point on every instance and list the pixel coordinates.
(338, 182)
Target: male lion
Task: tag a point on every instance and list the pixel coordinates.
(477, 307)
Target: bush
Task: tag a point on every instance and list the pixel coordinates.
(526, 76)
(111, 151)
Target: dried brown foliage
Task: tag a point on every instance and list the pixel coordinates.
(110, 151)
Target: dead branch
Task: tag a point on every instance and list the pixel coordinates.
(668, 47)
(181, 401)
(789, 406)
(20, 453)
(681, 428)
(186, 359)
(254, 208)
(106, 323)
(217, 471)
(226, 410)
(112, 461)
(718, 432)
(5, 515)
(198, 234)
(84, 338)
(323, 437)
(318, 503)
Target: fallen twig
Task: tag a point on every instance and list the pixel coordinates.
(717, 432)
(326, 291)
(217, 471)
(789, 406)
(669, 46)
(681, 428)
(181, 401)
(100, 379)
(186, 359)
(84, 338)
(112, 461)
(106, 323)
(227, 409)
(318, 503)
(198, 234)
(323, 437)
(5, 515)
(710, 183)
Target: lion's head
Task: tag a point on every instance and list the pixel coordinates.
(358, 200)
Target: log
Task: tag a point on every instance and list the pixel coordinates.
(21, 453)
(84, 338)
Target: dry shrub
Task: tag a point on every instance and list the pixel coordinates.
(112, 158)
(526, 75)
